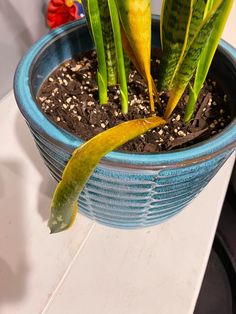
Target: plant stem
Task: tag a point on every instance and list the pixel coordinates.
(94, 16)
(109, 44)
(191, 103)
(119, 55)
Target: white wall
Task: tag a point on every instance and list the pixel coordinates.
(21, 23)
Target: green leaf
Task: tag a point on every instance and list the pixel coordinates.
(119, 55)
(207, 55)
(175, 23)
(82, 164)
(96, 27)
(198, 10)
(127, 65)
(102, 88)
(208, 7)
(191, 103)
(135, 16)
(109, 44)
(192, 55)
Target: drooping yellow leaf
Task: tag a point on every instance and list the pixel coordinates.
(82, 164)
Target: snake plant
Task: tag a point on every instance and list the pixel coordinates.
(190, 31)
(207, 55)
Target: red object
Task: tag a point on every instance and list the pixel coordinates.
(60, 13)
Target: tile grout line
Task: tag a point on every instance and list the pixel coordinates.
(61, 281)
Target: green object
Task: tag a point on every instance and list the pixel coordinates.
(119, 55)
(82, 164)
(96, 27)
(191, 57)
(127, 65)
(175, 22)
(207, 55)
(109, 44)
(196, 19)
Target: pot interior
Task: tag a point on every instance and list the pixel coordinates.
(223, 70)
(59, 49)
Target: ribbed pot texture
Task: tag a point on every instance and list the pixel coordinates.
(126, 190)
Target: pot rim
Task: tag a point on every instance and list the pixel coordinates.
(208, 149)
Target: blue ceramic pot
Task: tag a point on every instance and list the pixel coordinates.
(126, 190)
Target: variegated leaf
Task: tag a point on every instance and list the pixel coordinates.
(207, 55)
(96, 28)
(109, 44)
(196, 19)
(192, 55)
(175, 22)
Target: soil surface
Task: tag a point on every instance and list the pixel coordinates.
(69, 97)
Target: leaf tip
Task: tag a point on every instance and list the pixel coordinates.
(58, 222)
(56, 226)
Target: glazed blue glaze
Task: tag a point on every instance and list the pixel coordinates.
(127, 190)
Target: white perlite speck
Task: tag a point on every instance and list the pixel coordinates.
(181, 133)
(76, 68)
(177, 117)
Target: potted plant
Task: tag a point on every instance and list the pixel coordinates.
(130, 189)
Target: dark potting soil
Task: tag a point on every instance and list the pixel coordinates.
(69, 97)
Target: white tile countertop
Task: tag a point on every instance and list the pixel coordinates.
(92, 269)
